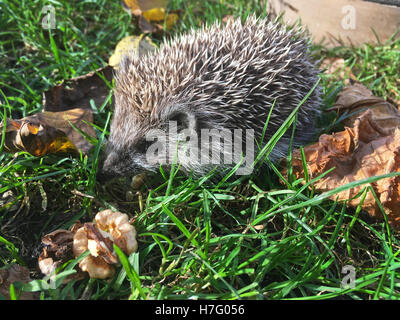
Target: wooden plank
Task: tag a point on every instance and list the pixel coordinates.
(352, 21)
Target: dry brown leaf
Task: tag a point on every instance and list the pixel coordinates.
(77, 92)
(11, 274)
(369, 146)
(51, 131)
(37, 139)
(357, 98)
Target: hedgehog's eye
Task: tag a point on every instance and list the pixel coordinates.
(143, 145)
(184, 120)
(180, 119)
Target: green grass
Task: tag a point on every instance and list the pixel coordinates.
(251, 238)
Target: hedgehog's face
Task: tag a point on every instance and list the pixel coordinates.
(136, 147)
(125, 159)
(122, 162)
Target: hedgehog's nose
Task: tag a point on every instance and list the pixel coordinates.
(104, 173)
(104, 176)
(105, 164)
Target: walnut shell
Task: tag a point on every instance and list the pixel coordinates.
(98, 237)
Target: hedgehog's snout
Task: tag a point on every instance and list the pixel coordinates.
(121, 163)
(110, 161)
(103, 176)
(108, 167)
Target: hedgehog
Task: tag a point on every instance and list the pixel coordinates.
(221, 82)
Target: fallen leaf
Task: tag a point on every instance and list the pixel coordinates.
(29, 135)
(171, 20)
(154, 14)
(77, 92)
(139, 45)
(145, 5)
(369, 146)
(151, 15)
(11, 274)
(66, 108)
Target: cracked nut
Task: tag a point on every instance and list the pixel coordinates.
(57, 250)
(98, 237)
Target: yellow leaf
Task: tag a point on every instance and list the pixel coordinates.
(140, 45)
(39, 140)
(155, 14)
(159, 15)
(145, 5)
(132, 4)
(62, 144)
(171, 20)
(48, 132)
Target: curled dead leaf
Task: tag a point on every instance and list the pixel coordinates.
(369, 146)
(38, 139)
(65, 120)
(357, 98)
